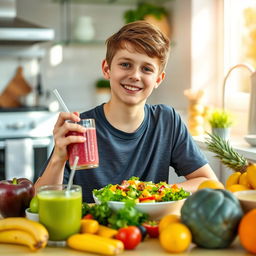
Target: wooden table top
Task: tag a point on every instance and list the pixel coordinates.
(149, 247)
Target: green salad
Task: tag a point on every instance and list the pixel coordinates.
(140, 192)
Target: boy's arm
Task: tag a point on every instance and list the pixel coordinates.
(198, 176)
(53, 174)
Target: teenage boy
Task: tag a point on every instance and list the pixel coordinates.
(134, 138)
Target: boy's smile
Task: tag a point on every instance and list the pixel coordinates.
(133, 75)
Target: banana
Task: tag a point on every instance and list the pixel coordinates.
(37, 230)
(251, 172)
(16, 236)
(237, 187)
(233, 179)
(243, 180)
(95, 244)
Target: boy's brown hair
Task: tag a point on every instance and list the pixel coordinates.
(145, 37)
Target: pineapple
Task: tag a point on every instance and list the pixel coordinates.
(226, 153)
(244, 176)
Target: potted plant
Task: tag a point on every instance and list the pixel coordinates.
(154, 14)
(102, 90)
(220, 121)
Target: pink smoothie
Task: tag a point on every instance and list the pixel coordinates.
(87, 151)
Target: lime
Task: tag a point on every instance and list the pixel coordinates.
(34, 205)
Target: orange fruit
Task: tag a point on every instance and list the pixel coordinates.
(247, 231)
(214, 184)
(166, 220)
(175, 238)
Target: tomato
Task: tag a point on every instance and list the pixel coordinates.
(130, 236)
(152, 228)
(88, 216)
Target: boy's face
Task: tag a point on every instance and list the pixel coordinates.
(132, 75)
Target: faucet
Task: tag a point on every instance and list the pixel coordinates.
(252, 106)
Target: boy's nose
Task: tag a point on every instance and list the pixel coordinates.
(134, 75)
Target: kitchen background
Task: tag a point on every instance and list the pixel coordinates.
(201, 35)
(76, 75)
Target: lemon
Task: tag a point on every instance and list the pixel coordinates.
(214, 184)
(175, 238)
(166, 220)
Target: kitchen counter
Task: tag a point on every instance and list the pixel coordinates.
(238, 143)
(150, 247)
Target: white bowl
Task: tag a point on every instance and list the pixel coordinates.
(251, 139)
(247, 199)
(155, 210)
(31, 215)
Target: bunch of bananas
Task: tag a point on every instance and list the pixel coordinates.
(242, 181)
(19, 230)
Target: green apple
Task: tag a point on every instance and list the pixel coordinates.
(34, 205)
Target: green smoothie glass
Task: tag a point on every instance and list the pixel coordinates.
(60, 210)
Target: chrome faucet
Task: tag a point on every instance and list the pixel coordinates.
(252, 106)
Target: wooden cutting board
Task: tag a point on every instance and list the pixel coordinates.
(15, 89)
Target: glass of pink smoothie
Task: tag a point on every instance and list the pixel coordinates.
(88, 150)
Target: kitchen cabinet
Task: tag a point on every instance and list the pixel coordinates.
(69, 17)
(150, 247)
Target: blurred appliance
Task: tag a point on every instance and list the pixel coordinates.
(25, 141)
(16, 31)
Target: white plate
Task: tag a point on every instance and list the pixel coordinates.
(251, 139)
(155, 210)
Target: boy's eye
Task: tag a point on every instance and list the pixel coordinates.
(125, 65)
(147, 69)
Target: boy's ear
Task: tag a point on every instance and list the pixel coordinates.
(105, 69)
(160, 79)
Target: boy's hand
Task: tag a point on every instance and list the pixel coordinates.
(61, 128)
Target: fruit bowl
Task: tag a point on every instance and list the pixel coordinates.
(31, 215)
(155, 210)
(247, 199)
(251, 139)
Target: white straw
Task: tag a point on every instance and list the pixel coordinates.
(70, 181)
(62, 103)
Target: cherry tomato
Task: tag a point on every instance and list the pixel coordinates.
(88, 216)
(152, 228)
(130, 236)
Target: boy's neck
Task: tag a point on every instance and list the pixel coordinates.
(126, 119)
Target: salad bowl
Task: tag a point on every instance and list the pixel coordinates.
(156, 200)
(155, 210)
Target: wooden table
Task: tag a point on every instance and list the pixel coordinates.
(150, 247)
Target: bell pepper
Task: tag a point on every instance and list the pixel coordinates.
(148, 199)
(152, 228)
(15, 196)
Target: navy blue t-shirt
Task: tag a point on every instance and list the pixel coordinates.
(161, 141)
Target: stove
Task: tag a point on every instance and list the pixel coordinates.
(26, 141)
(26, 124)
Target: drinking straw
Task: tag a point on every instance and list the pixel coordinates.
(70, 181)
(62, 103)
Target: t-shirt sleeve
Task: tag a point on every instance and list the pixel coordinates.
(186, 155)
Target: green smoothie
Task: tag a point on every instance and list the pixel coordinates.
(60, 212)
